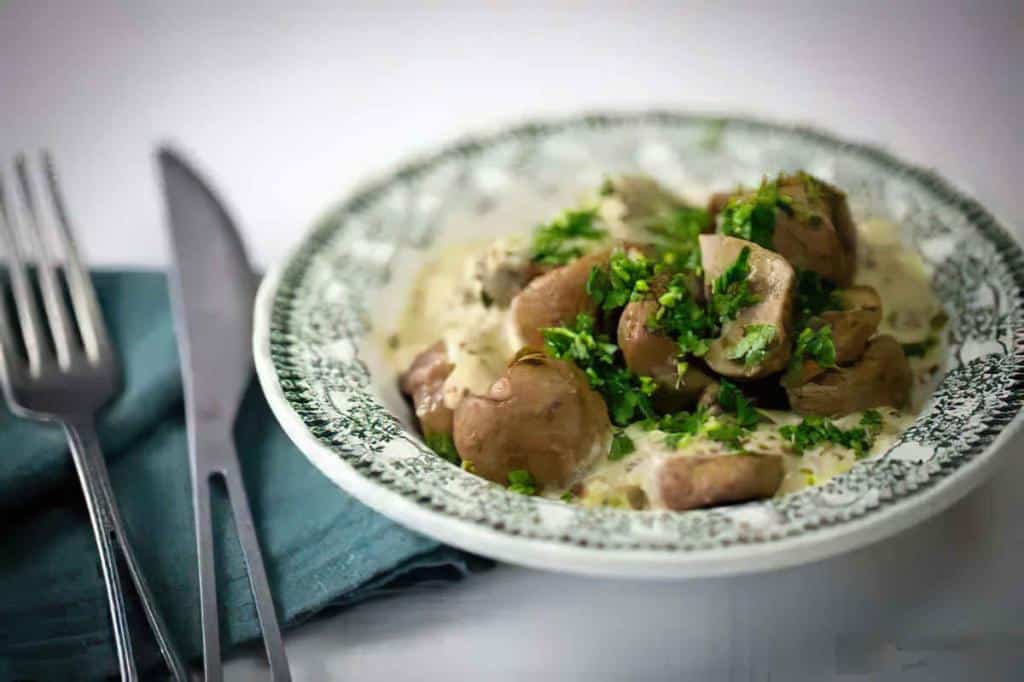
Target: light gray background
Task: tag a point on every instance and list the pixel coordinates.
(287, 105)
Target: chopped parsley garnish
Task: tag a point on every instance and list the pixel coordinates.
(815, 345)
(814, 295)
(814, 431)
(444, 445)
(623, 280)
(520, 481)
(732, 400)
(627, 395)
(752, 216)
(558, 242)
(680, 427)
(730, 292)
(919, 349)
(753, 347)
(622, 445)
(724, 431)
(682, 318)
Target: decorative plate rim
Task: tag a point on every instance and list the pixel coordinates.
(898, 511)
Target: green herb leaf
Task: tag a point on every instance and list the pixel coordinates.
(444, 445)
(724, 431)
(752, 216)
(753, 347)
(567, 496)
(520, 481)
(730, 292)
(561, 240)
(815, 345)
(731, 399)
(682, 318)
(813, 431)
(623, 280)
(627, 395)
(814, 295)
(622, 445)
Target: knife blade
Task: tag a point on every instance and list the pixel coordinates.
(212, 289)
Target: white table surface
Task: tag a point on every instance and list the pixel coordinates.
(288, 105)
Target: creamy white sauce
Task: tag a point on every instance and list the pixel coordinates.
(447, 303)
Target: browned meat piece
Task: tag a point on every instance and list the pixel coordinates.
(881, 377)
(694, 482)
(716, 203)
(554, 298)
(815, 232)
(773, 281)
(423, 382)
(709, 399)
(651, 353)
(541, 416)
(853, 326)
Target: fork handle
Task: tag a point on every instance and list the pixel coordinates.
(111, 537)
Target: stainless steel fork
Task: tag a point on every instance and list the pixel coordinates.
(63, 370)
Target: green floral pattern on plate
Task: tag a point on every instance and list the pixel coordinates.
(320, 313)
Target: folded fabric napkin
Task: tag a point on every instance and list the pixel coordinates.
(321, 547)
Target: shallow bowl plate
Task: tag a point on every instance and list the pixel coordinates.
(321, 314)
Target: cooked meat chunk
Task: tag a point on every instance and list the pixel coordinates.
(812, 227)
(554, 298)
(716, 203)
(771, 281)
(651, 353)
(855, 324)
(709, 399)
(881, 377)
(541, 416)
(694, 482)
(637, 208)
(423, 382)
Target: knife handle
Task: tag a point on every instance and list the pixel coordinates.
(230, 474)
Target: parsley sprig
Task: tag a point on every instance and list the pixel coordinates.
(753, 347)
(730, 292)
(752, 216)
(561, 240)
(732, 400)
(814, 295)
(814, 431)
(521, 481)
(627, 395)
(444, 445)
(682, 318)
(622, 445)
(817, 345)
(624, 279)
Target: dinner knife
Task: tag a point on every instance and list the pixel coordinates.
(212, 290)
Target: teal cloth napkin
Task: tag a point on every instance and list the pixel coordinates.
(321, 547)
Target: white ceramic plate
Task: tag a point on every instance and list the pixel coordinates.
(317, 363)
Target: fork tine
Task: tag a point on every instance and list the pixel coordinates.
(46, 269)
(91, 326)
(24, 299)
(7, 347)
